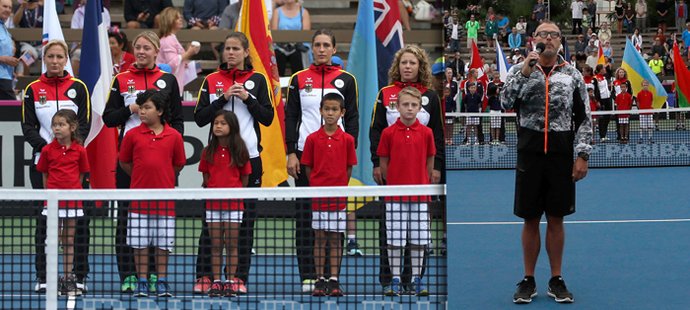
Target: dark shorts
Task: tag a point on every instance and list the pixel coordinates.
(544, 184)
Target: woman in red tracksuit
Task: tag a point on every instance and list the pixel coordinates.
(55, 90)
(122, 111)
(235, 87)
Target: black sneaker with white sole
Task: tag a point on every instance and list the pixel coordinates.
(559, 291)
(526, 289)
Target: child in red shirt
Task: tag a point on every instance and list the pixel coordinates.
(644, 102)
(329, 154)
(63, 163)
(152, 154)
(624, 102)
(406, 152)
(593, 105)
(225, 163)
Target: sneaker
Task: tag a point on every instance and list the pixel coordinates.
(420, 288)
(393, 289)
(308, 285)
(443, 247)
(81, 286)
(129, 285)
(407, 289)
(527, 289)
(142, 289)
(162, 288)
(353, 248)
(238, 286)
(69, 285)
(202, 285)
(153, 280)
(228, 289)
(558, 291)
(40, 286)
(216, 290)
(604, 139)
(319, 288)
(333, 288)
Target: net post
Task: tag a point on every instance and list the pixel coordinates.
(52, 252)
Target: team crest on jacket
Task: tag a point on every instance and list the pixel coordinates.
(219, 89)
(425, 100)
(161, 84)
(339, 83)
(308, 85)
(393, 101)
(72, 93)
(131, 87)
(42, 99)
(249, 85)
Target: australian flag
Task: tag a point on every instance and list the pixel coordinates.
(388, 35)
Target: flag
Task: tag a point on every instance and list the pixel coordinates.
(682, 77)
(501, 62)
(478, 63)
(638, 70)
(96, 72)
(601, 60)
(388, 37)
(362, 65)
(52, 30)
(254, 24)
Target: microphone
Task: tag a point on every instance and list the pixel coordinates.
(540, 49)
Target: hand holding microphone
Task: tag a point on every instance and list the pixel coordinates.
(532, 58)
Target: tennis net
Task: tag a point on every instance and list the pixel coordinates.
(662, 139)
(277, 265)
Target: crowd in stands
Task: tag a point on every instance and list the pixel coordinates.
(589, 33)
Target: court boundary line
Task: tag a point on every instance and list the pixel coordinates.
(677, 220)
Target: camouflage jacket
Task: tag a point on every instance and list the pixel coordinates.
(569, 117)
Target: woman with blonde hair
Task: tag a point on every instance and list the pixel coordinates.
(411, 67)
(171, 51)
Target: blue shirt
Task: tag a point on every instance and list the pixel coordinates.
(6, 46)
(686, 38)
(287, 23)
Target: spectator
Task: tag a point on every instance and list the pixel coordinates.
(472, 27)
(662, 13)
(291, 16)
(521, 26)
(586, 21)
(636, 40)
(514, 39)
(171, 51)
(660, 34)
(29, 14)
(458, 65)
(230, 15)
(7, 59)
(592, 9)
(657, 65)
(119, 49)
(590, 34)
(604, 32)
(539, 10)
(659, 48)
(629, 20)
(607, 50)
(686, 35)
(503, 23)
(454, 44)
(593, 58)
(580, 47)
(491, 32)
(144, 13)
(620, 15)
(532, 25)
(203, 14)
(576, 8)
(641, 15)
(681, 15)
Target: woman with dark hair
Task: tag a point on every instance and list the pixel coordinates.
(122, 58)
(411, 67)
(235, 87)
(302, 118)
(122, 111)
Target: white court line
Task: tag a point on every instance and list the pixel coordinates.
(578, 222)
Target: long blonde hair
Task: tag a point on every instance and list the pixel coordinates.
(167, 20)
(424, 76)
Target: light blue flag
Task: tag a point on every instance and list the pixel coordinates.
(362, 64)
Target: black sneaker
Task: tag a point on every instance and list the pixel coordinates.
(558, 291)
(526, 289)
(320, 288)
(333, 288)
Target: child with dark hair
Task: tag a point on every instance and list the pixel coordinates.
(152, 154)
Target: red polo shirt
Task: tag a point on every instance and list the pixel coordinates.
(644, 100)
(153, 157)
(624, 102)
(63, 165)
(222, 174)
(329, 157)
(407, 149)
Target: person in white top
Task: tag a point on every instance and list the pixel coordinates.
(78, 23)
(576, 6)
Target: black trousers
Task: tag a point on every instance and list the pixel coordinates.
(81, 238)
(295, 60)
(604, 120)
(304, 234)
(246, 238)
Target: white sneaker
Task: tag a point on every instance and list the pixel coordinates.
(40, 287)
(308, 286)
(82, 287)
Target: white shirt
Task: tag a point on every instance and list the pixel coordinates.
(577, 7)
(78, 17)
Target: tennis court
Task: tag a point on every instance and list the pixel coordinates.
(626, 246)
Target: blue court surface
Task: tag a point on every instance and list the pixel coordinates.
(627, 246)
